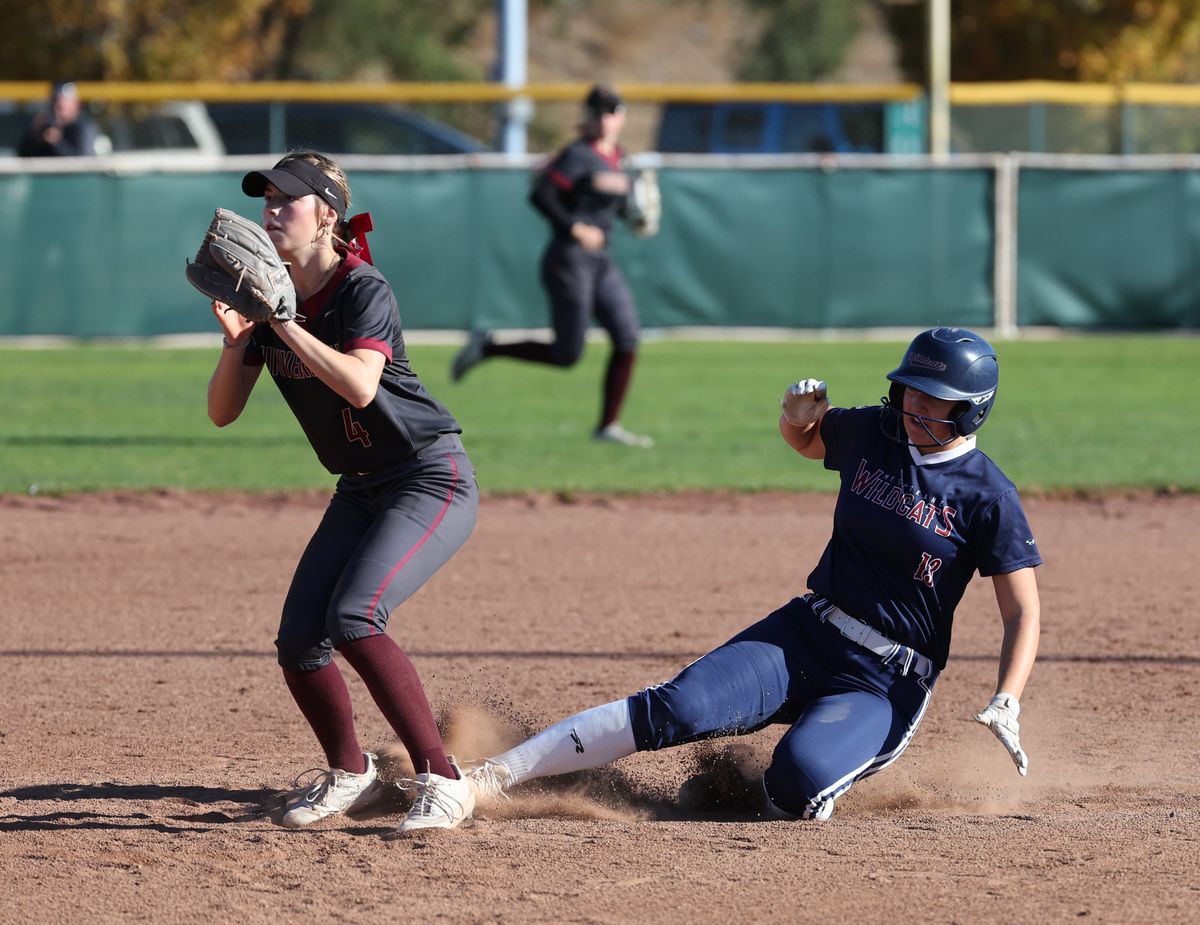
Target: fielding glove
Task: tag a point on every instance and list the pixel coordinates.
(237, 264)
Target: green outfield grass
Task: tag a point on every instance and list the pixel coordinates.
(1086, 413)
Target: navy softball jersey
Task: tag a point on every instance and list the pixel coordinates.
(909, 531)
(355, 309)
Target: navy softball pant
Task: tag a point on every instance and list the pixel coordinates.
(382, 537)
(851, 713)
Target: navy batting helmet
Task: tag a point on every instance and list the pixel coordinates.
(952, 364)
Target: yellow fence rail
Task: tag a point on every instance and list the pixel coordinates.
(1040, 91)
(961, 94)
(458, 92)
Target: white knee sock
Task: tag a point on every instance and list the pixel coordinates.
(586, 740)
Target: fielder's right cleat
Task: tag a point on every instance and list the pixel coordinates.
(441, 802)
(470, 355)
(335, 791)
(489, 781)
(615, 433)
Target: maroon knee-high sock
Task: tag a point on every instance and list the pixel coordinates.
(616, 384)
(325, 702)
(392, 680)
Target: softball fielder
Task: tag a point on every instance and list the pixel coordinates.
(850, 666)
(581, 193)
(405, 501)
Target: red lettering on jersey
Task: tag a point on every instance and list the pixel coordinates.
(917, 512)
(355, 432)
(930, 513)
(928, 566)
(864, 480)
(947, 516)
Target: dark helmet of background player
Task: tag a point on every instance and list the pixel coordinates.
(953, 364)
(600, 101)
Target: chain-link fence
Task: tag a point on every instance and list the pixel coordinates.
(1077, 129)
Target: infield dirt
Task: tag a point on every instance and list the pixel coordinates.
(145, 733)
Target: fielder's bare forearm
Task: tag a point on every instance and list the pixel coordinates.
(230, 386)
(354, 375)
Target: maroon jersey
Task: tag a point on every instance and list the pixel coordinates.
(356, 309)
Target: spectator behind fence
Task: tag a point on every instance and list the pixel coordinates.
(63, 129)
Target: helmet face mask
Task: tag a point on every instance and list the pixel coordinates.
(894, 422)
(952, 364)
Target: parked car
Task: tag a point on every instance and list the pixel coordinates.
(772, 128)
(14, 120)
(335, 128)
(147, 131)
(130, 130)
(178, 128)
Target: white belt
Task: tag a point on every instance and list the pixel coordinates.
(870, 638)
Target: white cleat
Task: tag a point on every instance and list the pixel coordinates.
(489, 781)
(470, 355)
(335, 791)
(615, 433)
(441, 802)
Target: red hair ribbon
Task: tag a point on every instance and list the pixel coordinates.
(359, 226)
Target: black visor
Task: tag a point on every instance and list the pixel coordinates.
(601, 101)
(295, 177)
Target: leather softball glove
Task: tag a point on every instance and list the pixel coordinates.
(237, 264)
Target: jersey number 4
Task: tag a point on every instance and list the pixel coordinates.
(355, 432)
(928, 566)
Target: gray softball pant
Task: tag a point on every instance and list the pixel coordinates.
(382, 537)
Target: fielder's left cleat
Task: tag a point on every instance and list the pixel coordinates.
(335, 791)
(615, 433)
(441, 802)
(470, 355)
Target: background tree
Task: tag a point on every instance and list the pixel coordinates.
(383, 39)
(1073, 40)
(801, 40)
(144, 39)
(240, 39)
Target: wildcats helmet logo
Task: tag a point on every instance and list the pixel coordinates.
(919, 359)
